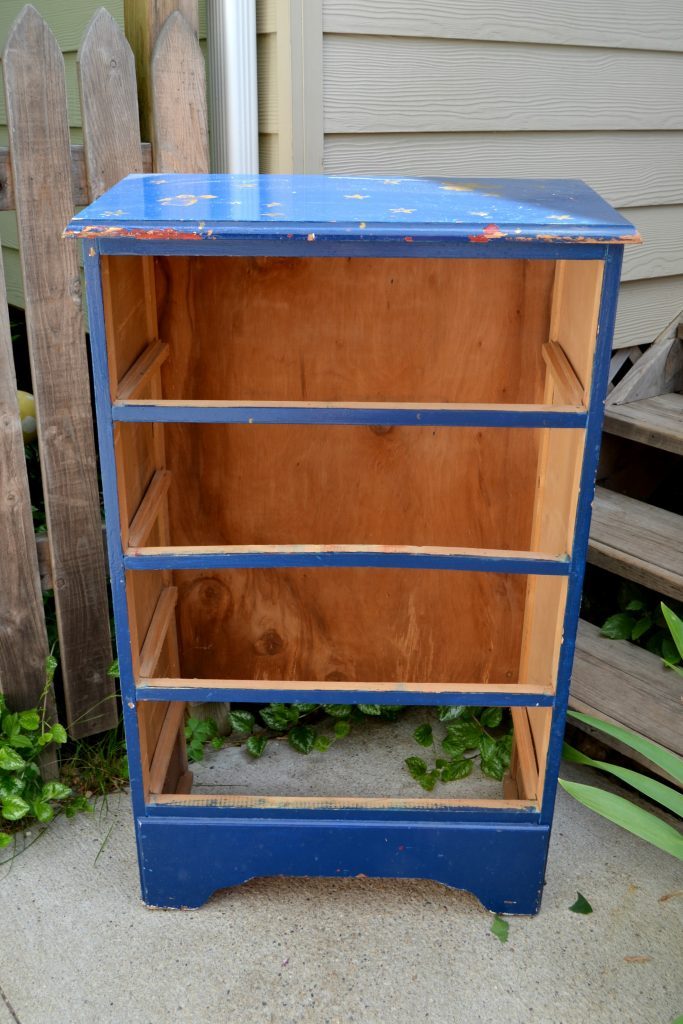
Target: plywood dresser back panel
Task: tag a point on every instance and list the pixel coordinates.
(353, 330)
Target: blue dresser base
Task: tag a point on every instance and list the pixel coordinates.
(183, 861)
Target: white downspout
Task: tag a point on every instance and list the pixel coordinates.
(233, 100)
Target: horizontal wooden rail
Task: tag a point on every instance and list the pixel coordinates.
(158, 630)
(163, 752)
(375, 803)
(567, 385)
(79, 185)
(276, 690)
(147, 363)
(342, 555)
(150, 506)
(350, 413)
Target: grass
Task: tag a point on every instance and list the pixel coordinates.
(95, 767)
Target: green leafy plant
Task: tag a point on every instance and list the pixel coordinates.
(581, 905)
(642, 619)
(306, 727)
(500, 928)
(618, 809)
(24, 737)
(467, 734)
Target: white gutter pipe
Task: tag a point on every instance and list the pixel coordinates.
(233, 103)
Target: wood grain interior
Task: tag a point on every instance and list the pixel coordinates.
(129, 300)
(391, 330)
(349, 485)
(573, 326)
(350, 624)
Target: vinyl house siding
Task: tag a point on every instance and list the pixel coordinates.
(498, 88)
(68, 19)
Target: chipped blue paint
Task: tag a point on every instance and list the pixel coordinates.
(187, 851)
(316, 207)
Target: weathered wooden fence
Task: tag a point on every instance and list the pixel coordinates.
(43, 177)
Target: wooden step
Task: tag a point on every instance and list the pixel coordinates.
(617, 681)
(654, 421)
(638, 541)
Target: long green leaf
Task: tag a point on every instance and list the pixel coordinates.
(667, 796)
(675, 624)
(671, 763)
(627, 815)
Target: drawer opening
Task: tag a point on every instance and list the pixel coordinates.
(364, 769)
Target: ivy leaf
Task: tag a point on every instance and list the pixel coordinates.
(29, 720)
(337, 710)
(342, 728)
(58, 733)
(429, 780)
(10, 725)
(279, 717)
(450, 713)
(466, 734)
(618, 627)
(452, 747)
(242, 721)
(416, 767)
(491, 717)
(5, 839)
(20, 740)
(256, 745)
(195, 750)
(496, 764)
(456, 770)
(55, 791)
(391, 712)
(581, 905)
(217, 742)
(423, 735)
(14, 808)
(635, 605)
(306, 709)
(42, 811)
(322, 743)
(302, 738)
(500, 928)
(10, 761)
(370, 709)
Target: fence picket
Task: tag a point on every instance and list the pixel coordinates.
(41, 171)
(23, 637)
(180, 136)
(109, 106)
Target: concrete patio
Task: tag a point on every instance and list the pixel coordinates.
(77, 946)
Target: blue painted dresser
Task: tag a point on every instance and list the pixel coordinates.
(349, 430)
